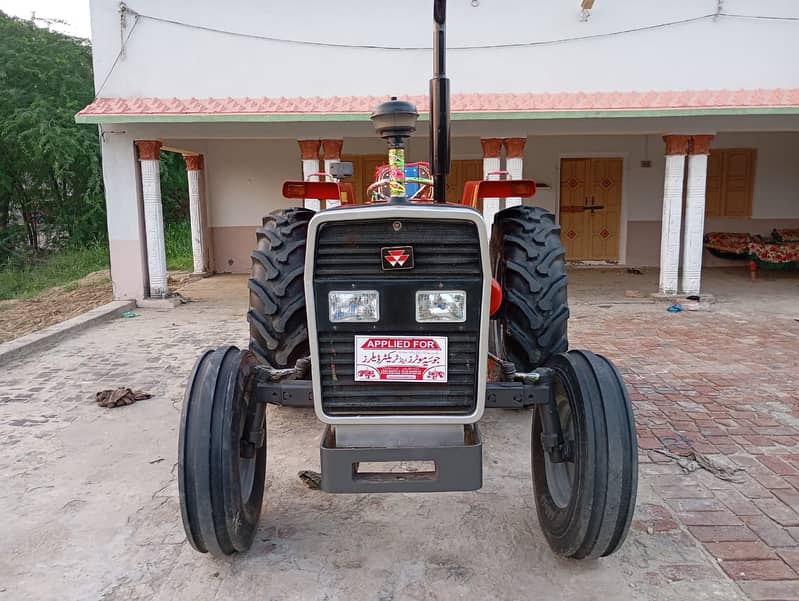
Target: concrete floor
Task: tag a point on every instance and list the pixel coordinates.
(774, 291)
(90, 495)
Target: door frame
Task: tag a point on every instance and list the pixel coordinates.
(624, 156)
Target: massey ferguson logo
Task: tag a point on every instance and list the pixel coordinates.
(397, 257)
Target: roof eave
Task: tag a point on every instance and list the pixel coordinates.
(96, 118)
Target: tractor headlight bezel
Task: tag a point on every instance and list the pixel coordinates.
(440, 306)
(353, 306)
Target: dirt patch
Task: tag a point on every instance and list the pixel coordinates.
(23, 316)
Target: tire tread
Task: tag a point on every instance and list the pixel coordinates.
(526, 244)
(599, 513)
(278, 324)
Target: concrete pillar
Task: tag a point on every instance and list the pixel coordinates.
(126, 239)
(514, 164)
(676, 147)
(331, 149)
(194, 169)
(492, 148)
(309, 149)
(149, 158)
(695, 214)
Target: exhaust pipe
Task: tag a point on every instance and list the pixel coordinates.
(439, 104)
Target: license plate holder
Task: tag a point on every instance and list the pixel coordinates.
(420, 359)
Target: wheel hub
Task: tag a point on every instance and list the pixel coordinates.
(560, 475)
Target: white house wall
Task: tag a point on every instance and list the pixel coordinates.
(164, 59)
(244, 180)
(128, 251)
(775, 202)
(244, 183)
(776, 190)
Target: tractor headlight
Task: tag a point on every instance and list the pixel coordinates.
(354, 305)
(440, 305)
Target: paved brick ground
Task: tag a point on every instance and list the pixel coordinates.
(720, 383)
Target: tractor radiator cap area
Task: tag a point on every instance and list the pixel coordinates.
(395, 118)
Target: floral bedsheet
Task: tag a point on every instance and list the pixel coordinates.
(775, 253)
(729, 242)
(781, 250)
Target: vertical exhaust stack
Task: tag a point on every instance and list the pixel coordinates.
(439, 104)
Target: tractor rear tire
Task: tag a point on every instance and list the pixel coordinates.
(528, 262)
(278, 324)
(585, 504)
(222, 453)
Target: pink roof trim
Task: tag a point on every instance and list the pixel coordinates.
(461, 103)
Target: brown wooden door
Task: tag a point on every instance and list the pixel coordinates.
(713, 191)
(363, 172)
(590, 207)
(730, 182)
(574, 224)
(739, 167)
(462, 171)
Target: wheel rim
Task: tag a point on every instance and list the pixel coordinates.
(246, 464)
(496, 333)
(496, 339)
(560, 476)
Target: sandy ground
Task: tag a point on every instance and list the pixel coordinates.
(23, 316)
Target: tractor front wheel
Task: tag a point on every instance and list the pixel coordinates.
(222, 453)
(585, 500)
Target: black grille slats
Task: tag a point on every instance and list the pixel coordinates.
(341, 393)
(441, 248)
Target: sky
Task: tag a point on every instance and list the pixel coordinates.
(74, 12)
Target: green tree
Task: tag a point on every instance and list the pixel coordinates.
(50, 174)
(174, 187)
(49, 167)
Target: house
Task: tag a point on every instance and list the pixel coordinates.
(645, 123)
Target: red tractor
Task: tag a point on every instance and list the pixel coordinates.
(400, 321)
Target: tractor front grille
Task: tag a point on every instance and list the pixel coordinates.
(447, 256)
(442, 248)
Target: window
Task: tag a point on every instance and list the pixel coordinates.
(730, 181)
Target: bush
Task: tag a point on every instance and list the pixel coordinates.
(26, 277)
(179, 255)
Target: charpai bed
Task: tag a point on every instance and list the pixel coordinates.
(779, 251)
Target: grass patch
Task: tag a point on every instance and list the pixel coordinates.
(26, 279)
(177, 238)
